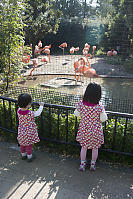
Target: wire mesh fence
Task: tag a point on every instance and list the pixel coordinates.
(52, 97)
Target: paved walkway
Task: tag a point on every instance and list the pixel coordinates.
(53, 176)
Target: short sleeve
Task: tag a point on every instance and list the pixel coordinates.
(103, 115)
(18, 110)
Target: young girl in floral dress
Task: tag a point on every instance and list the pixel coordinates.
(90, 133)
(27, 130)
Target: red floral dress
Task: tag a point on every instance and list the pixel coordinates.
(27, 130)
(90, 133)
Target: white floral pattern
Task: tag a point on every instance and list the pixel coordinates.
(27, 130)
(90, 132)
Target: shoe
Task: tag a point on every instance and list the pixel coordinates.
(93, 167)
(24, 157)
(82, 166)
(31, 159)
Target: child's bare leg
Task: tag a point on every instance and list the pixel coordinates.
(94, 158)
(83, 153)
(94, 154)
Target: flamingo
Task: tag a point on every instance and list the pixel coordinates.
(87, 46)
(62, 46)
(82, 68)
(47, 47)
(109, 53)
(85, 51)
(89, 55)
(45, 59)
(34, 65)
(94, 48)
(90, 73)
(37, 50)
(84, 61)
(47, 51)
(112, 52)
(40, 44)
(72, 50)
(77, 49)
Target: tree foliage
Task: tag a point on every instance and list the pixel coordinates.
(69, 8)
(11, 38)
(41, 18)
(117, 16)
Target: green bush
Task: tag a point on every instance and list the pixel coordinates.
(54, 123)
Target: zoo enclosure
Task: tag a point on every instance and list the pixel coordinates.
(58, 124)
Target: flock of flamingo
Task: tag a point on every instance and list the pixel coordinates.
(81, 66)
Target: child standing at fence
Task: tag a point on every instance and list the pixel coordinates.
(90, 133)
(27, 130)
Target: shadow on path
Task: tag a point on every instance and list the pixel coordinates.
(53, 176)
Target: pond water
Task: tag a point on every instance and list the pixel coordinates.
(117, 93)
(120, 88)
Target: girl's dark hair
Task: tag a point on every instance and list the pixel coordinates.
(93, 93)
(24, 100)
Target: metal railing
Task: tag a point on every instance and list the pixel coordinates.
(57, 123)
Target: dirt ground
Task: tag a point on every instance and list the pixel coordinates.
(62, 66)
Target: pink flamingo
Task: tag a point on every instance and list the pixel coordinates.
(34, 65)
(40, 44)
(62, 46)
(82, 68)
(45, 59)
(94, 48)
(72, 50)
(47, 47)
(109, 53)
(76, 49)
(112, 52)
(87, 46)
(47, 51)
(86, 49)
(37, 50)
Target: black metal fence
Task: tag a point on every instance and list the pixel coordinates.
(57, 123)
